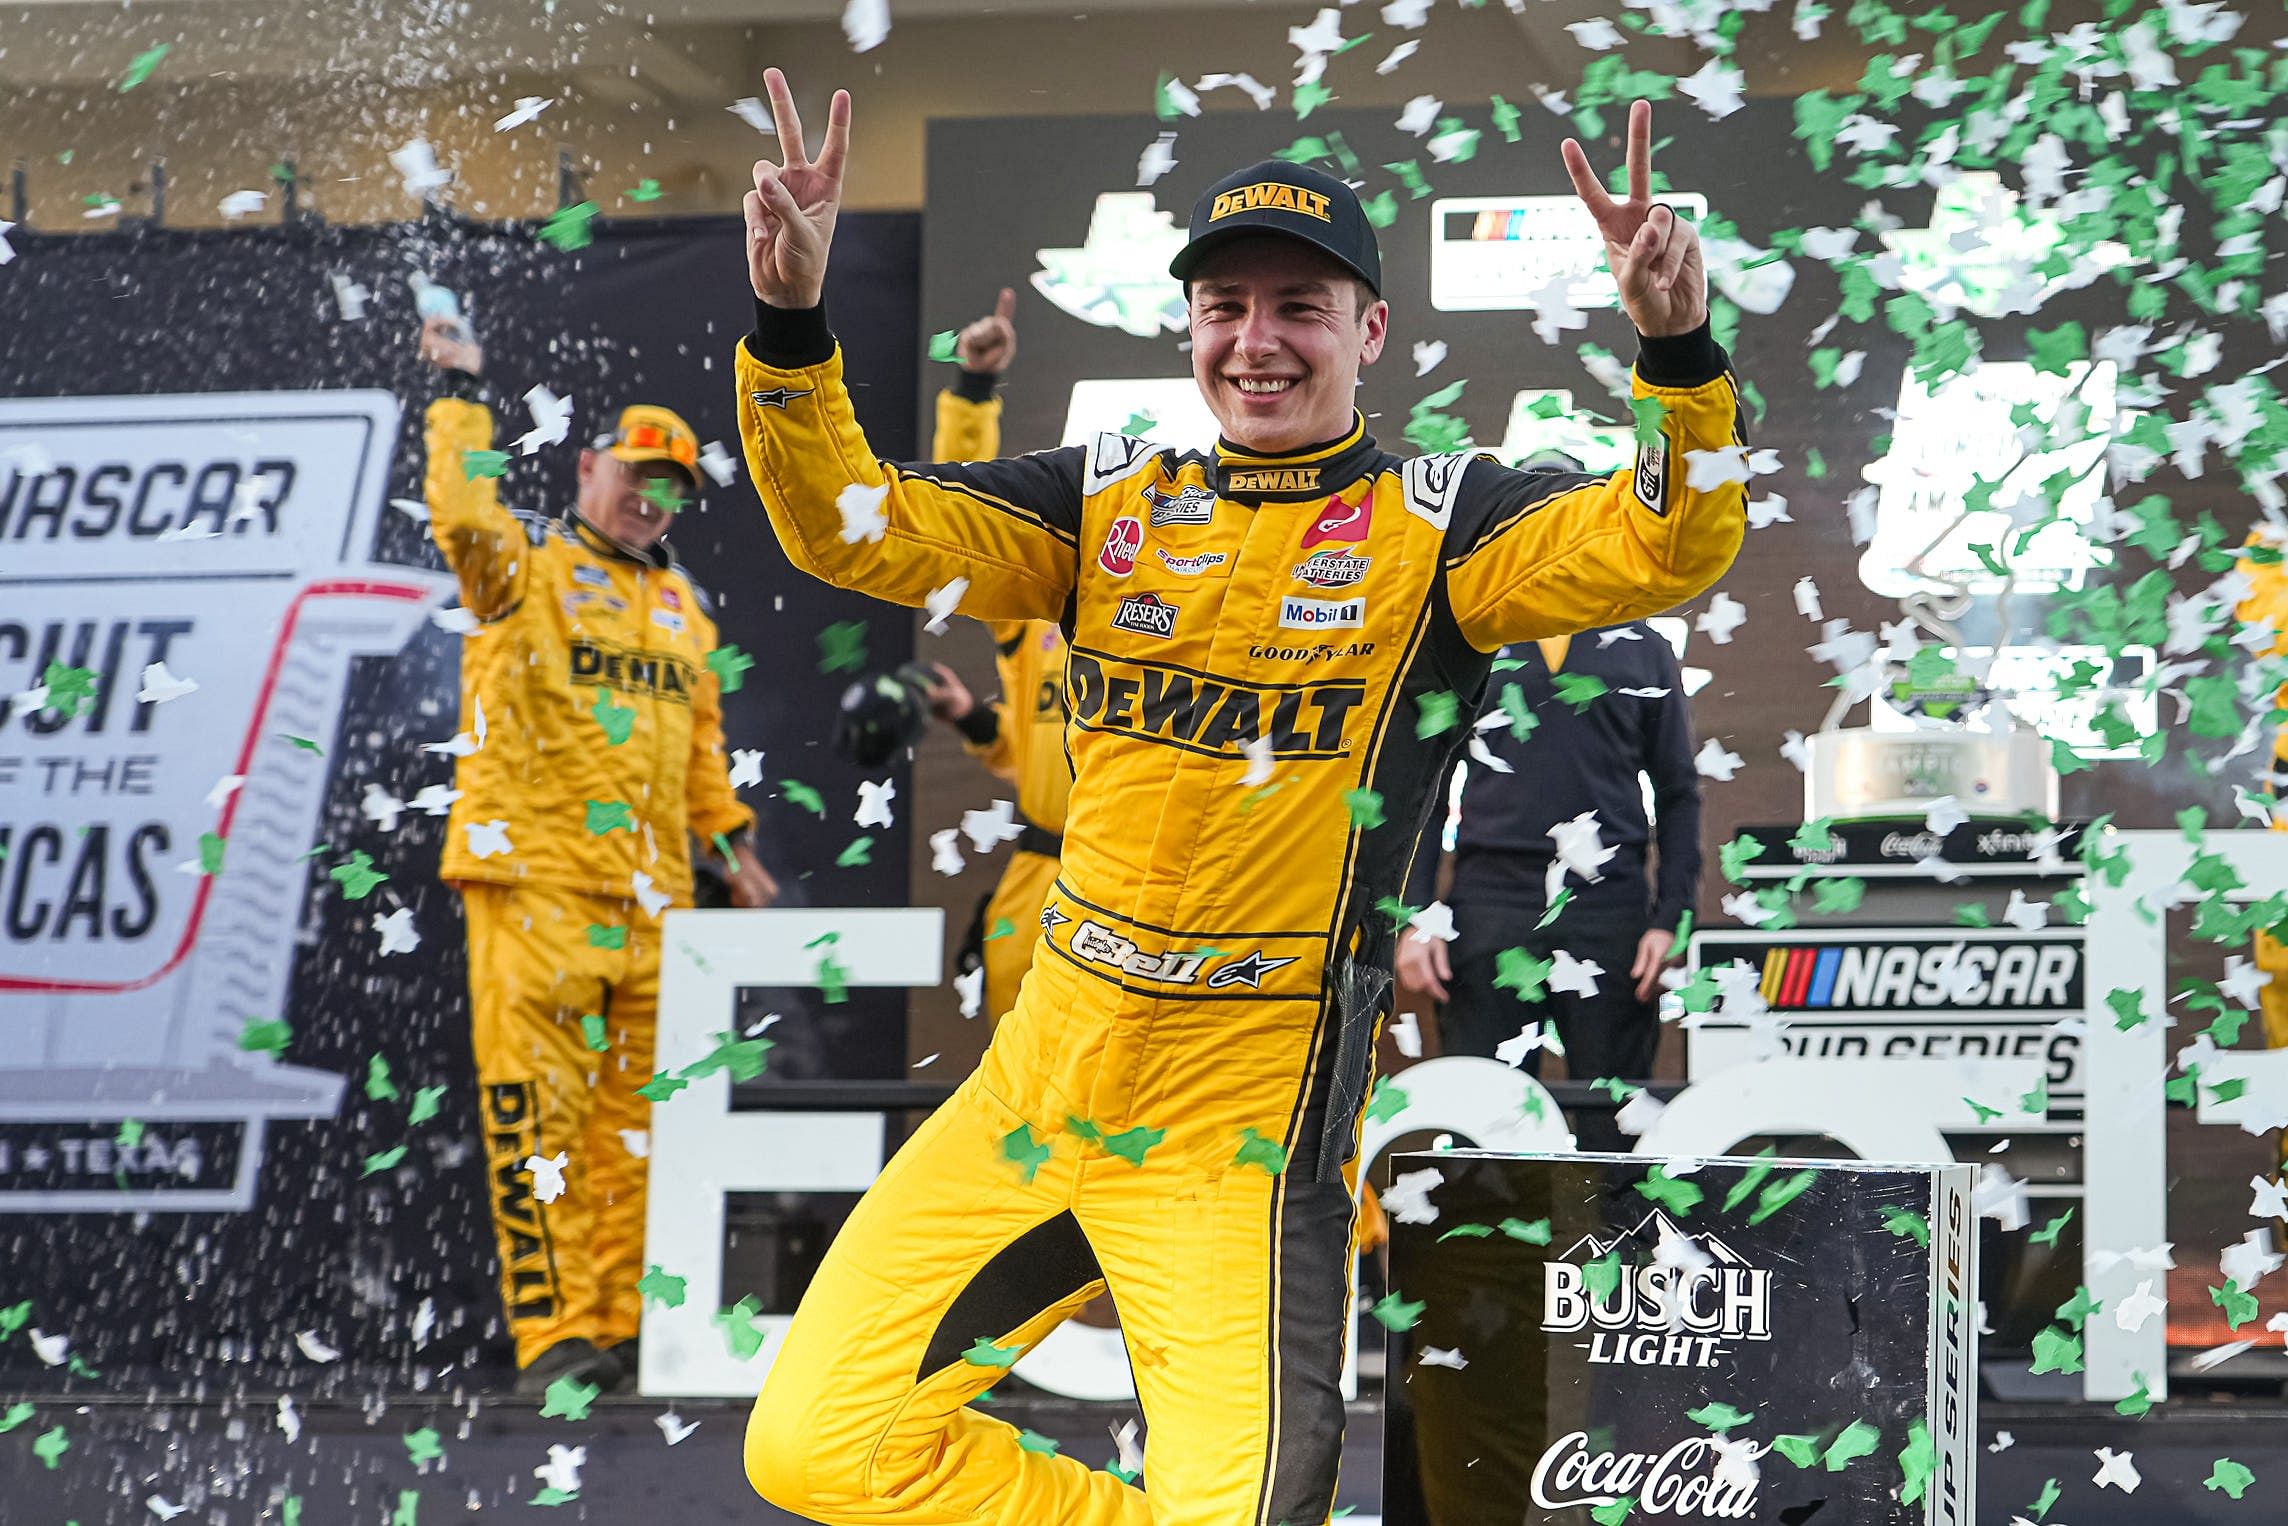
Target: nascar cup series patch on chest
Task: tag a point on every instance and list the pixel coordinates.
(1187, 506)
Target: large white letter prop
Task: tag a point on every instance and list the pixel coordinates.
(701, 1150)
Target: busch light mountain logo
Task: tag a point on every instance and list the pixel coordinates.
(1684, 1308)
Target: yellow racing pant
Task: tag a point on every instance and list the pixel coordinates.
(542, 964)
(1016, 904)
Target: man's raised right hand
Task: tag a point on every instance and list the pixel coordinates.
(791, 210)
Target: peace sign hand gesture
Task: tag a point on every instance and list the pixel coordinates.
(1653, 253)
(791, 210)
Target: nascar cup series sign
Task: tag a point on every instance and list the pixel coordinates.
(204, 558)
(1734, 1340)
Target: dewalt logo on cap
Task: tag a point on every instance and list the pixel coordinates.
(1273, 196)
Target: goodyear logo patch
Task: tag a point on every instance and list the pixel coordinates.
(1270, 196)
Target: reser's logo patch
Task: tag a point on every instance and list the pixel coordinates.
(1270, 196)
(1147, 614)
(1188, 506)
(1302, 614)
(1122, 542)
(1202, 712)
(1271, 479)
(1329, 567)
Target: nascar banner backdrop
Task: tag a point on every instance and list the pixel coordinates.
(1745, 1340)
(229, 977)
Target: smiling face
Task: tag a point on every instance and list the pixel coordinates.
(629, 501)
(1279, 331)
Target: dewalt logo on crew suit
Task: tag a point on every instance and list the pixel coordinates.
(1270, 196)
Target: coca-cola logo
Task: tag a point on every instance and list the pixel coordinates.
(1691, 1478)
(1910, 844)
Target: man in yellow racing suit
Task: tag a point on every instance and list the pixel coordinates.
(2267, 601)
(1274, 652)
(591, 748)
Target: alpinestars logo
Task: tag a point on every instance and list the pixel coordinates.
(1248, 971)
(1682, 1314)
(777, 397)
(1052, 919)
(1189, 506)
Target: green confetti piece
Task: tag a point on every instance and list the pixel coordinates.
(17, 1414)
(1557, 905)
(425, 1100)
(1131, 1145)
(387, 1160)
(600, 936)
(2127, 1006)
(798, 793)
(1393, 1312)
(1002, 928)
(130, 1135)
(1506, 119)
(2139, 1403)
(1918, 1460)
(646, 189)
(1677, 1196)
(549, 1494)
(210, 853)
(265, 1036)
(1467, 1232)
(2238, 1303)
(50, 1446)
(1613, 1512)
(2076, 1310)
(1603, 1275)
(1255, 1150)
(2055, 1351)
(1437, 712)
(610, 816)
(1837, 897)
(408, 1512)
(1815, 837)
(730, 665)
(304, 743)
(378, 1086)
(1650, 415)
(358, 878)
(1859, 1439)
(1034, 1441)
(859, 851)
(1527, 1231)
(483, 463)
(1579, 690)
(592, 1032)
(570, 228)
(745, 1059)
(139, 69)
(983, 1353)
(659, 1287)
(1519, 973)
(1907, 1224)
(1309, 97)
(1803, 1451)
(618, 721)
(2229, 1476)
(842, 646)
(14, 1318)
(1737, 854)
(663, 494)
(833, 980)
(421, 1446)
(568, 1399)
(1522, 720)
(1781, 1193)
(1719, 1417)
(1381, 208)
(1388, 1101)
(1029, 1154)
(661, 1087)
(1139, 424)
(722, 845)
(945, 346)
(740, 1337)
(2048, 1233)
(1365, 808)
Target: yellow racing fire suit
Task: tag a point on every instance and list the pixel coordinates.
(591, 745)
(1273, 661)
(2268, 601)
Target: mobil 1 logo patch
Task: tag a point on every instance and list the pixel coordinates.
(1147, 614)
(1297, 613)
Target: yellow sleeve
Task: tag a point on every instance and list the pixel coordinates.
(1000, 755)
(967, 430)
(1538, 554)
(1010, 528)
(709, 803)
(482, 541)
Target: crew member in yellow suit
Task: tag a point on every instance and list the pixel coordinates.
(2268, 601)
(593, 727)
(1021, 736)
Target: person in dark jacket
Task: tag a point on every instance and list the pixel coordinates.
(1574, 722)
